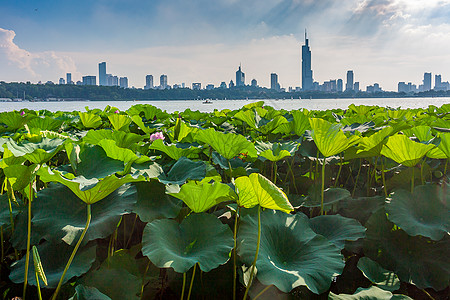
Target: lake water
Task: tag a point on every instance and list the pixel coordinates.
(177, 105)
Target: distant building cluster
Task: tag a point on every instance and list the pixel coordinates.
(410, 88)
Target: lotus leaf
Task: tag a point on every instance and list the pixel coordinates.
(54, 258)
(176, 151)
(93, 163)
(329, 138)
(37, 153)
(330, 196)
(90, 120)
(228, 145)
(276, 151)
(45, 123)
(148, 111)
(337, 229)
(88, 293)
(201, 196)
(120, 122)
(370, 146)
(423, 212)
(200, 238)
(5, 218)
(122, 139)
(258, 190)
(372, 293)
(153, 203)
(19, 176)
(126, 155)
(13, 120)
(88, 190)
(59, 214)
(183, 170)
(416, 260)
(290, 253)
(443, 149)
(383, 278)
(405, 151)
(360, 208)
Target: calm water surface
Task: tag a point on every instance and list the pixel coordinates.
(181, 105)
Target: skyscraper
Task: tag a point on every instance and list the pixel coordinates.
(307, 74)
(89, 80)
(426, 81)
(240, 77)
(349, 85)
(69, 78)
(340, 85)
(123, 82)
(163, 82)
(437, 82)
(274, 81)
(102, 80)
(148, 82)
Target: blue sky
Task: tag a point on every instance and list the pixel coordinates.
(383, 41)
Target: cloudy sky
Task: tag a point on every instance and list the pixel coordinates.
(383, 41)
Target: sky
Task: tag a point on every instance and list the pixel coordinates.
(382, 41)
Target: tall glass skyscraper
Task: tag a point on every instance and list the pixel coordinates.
(102, 79)
(307, 74)
(240, 77)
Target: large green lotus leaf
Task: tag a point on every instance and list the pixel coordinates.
(200, 238)
(176, 151)
(148, 111)
(45, 123)
(147, 128)
(182, 132)
(201, 196)
(88, 190)
(126, 155)
(54, 258)
(360, 208)
(422, 132)
(372, 293)
(88, 293)
(120, 122)
(153, 202)
(247, 116)
(383, 278)
(122, 139)
(118, 276)
(405, 151)
(276, 151)
(13, 120)
(20, 176)
(443, 149)
(258, 190)
(228, 145)
(369, 146)
(183, 170)
(90, 120)
(329, 138)
(148, 170)
(94, 163)
(330, 196)
(337, 229)
(416, 260)
(37, 153)
(291, 254)
(5, 218)
(301, 122)
(273, 125)
(59, 215)
(423, 212)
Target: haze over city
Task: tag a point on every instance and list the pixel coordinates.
(384, 41)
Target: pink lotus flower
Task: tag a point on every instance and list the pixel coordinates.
(22, 113)
(116, 112)
(156, 136)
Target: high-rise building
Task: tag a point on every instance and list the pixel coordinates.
(69, 78)
(437, 82)
(196, 86)
(223, 85)
(340, 85)
(356, 86)
(210, 87)
(231, 84)
(307, 73)
(254, 83)
(89, 80)
(123, 82)
(148, 82)
(163, 82)
(102, 79)
(274, 81)
(349, 85)
(112, 80)
(240, 77)
(426, 82)
(62, 81)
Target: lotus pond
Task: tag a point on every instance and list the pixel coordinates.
(255, 203)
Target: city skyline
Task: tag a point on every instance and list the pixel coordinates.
(384, 42)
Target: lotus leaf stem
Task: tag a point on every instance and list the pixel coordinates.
(383, 178)
(69, 262)
(192, 282)
(143, 279)
(27, 256)
(357, 177)
(421, 172)
(131, 235)
(445, 168)
(231, 171)
(275, 172)
(184, 285)
(428, 294)
(339, 171)
(37, 284)
(1, 240)
(412, 181)
(234, 251)
(323, 187)
(256, 254)
(263, 291)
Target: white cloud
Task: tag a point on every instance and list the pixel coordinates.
(23, 65)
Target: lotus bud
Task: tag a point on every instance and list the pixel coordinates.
(156, 136)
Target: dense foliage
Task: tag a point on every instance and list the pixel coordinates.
(252, 203)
